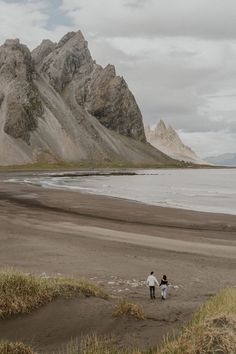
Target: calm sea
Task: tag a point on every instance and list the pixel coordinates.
(212, 190)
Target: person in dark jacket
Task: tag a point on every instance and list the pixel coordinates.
(164, 287)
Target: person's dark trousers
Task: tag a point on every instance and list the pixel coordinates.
(152, 292)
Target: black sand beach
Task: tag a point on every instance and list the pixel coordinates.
(116, 243)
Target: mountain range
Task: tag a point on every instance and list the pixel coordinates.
(228, 159)
(167, 140)
(58, 104)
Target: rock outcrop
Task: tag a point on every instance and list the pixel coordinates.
(70, 69)
(167, 140)
(42, 51)
(57, 104)
(22, 104)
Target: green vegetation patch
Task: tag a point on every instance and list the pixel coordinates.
(43, 164)
(22, 293)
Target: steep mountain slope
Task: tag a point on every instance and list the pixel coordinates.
(58, 104)
(224, 159)
(70, 69)
(166, 139)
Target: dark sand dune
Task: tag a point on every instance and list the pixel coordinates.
(55, 324)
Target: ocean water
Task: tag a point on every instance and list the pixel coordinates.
(210, 190)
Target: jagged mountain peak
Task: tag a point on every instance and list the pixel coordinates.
(15, 61)
(68, 61)
(110, 70)
(20, 104)
(43, 50)
(12, 42)
(163, 127)
(171, 130)
(165, 131)
(75, 36)
(161, 124)
(165, 138)
(14, 45)
(71, 70)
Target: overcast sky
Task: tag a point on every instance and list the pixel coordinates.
(178, 56)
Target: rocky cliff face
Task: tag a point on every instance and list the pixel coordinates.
(166, 139)
(20, 104)
(70, 69)
(108, 98)
(56, 103)
(42, 51)
(69, 61)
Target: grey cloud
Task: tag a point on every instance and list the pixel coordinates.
(172, 86)
(30, 21)
(214, 143)
(178, 57)
(221, 96)
(212, 19)
(137, 3)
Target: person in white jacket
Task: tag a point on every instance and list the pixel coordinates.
(151, 282)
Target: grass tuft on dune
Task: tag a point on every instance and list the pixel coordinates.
(15, 348)
(125, 307)
(93, 344)
(22, 293)
(212, 329)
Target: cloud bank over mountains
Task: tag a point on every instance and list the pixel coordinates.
(177, 56)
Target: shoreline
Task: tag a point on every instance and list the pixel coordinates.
(89, 167)
(127, 211)
(54, 199)
(101, 173)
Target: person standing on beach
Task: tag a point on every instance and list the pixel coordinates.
(151, 282)
(164, 287)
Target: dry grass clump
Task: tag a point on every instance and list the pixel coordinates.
(212, 329)
(125, 307)
(93, 344)
(15, 348)
(22, 293)
(70, 287)
(90, 344)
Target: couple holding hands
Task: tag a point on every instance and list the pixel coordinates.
(152, 282)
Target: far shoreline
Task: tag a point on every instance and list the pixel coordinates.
(103, 172)
(59, 199)
(63, 166)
